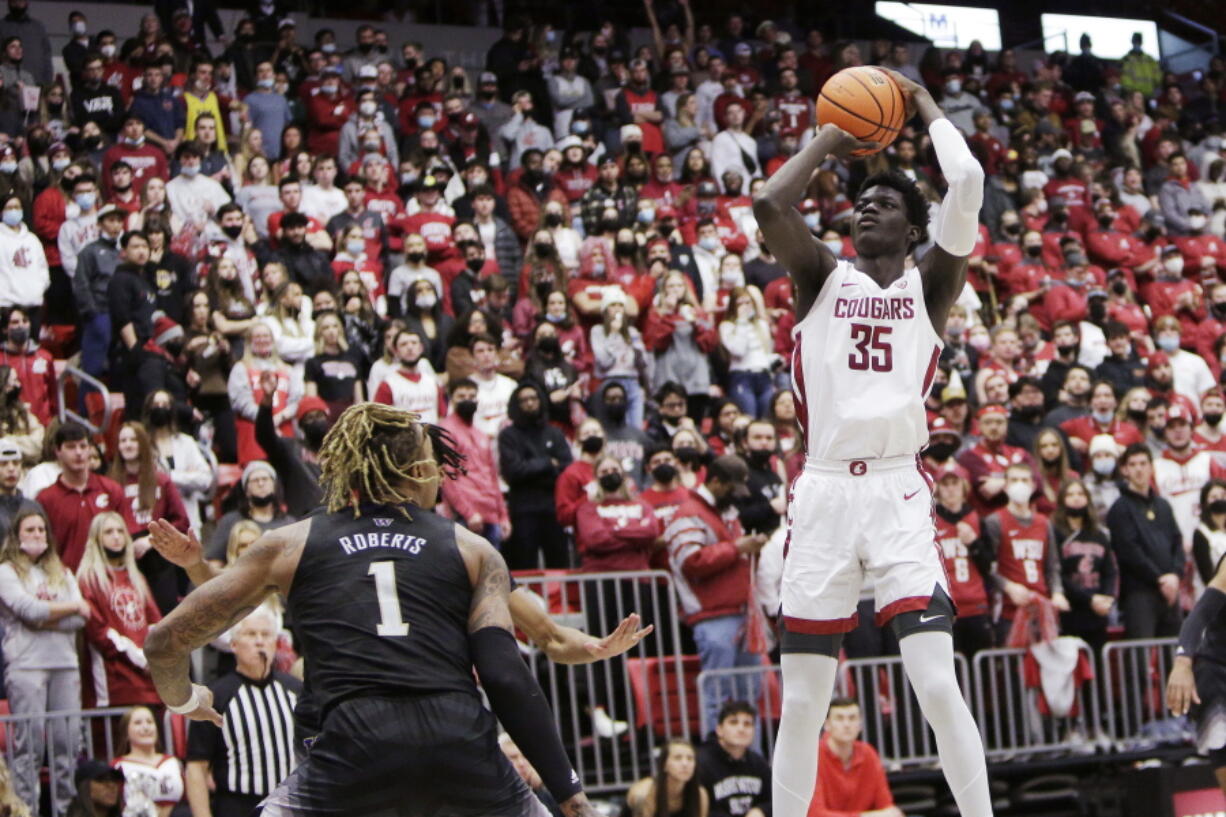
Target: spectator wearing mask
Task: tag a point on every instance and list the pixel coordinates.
(1209, 434)
(745, 335)
(579, 477)
(194, 196)
(1022, 545)
(1191, 375)
(522, 132)
(1203, 252)
(1073, 398)
(96, 267)
(736, 778)
(258, 502)
(245, 387)
(1173, 294)
(1209, 539)
(78, 494)
(986, 461)
(24, 274)
(1149, 549)
(547, 366)
(670, 416)
(474, 496)
(254, 750)
(1102, 419)
(532, 454)
(12, 500)
(850, 777)
(144, 159)
(122, 609)
(621, 357)
(763, 509)
(295, 460)
(41, 609)
(615, 530)
(1025, 412)
(148, 343)
(527, 198)
(1100, 476)
(307, 265)
(367, 131)
(664, 493)
(177, 454)
(268, 111)
(710, 559)
(1087, 565)
(413, 386)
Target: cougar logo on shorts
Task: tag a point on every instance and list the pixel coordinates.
(858, 468)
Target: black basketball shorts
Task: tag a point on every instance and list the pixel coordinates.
(428, 756)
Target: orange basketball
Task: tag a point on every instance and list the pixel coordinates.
(864, 101)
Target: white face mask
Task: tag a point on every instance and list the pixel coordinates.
(1019, 493)
(107, 50)
(367, 108)
(425, 301)
(953, 87)
(1102, 417)
(1104, 466)
(34, 549)
(834, 245)
(78, 28)
(732, 278)
(1042, 205)
(979, 342)
(813, 220)
(1173, 265)
(1197, 222)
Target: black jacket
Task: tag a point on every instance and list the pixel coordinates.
(532, 453)
(300, 479)
(1122, 373)
(131, 300)
(305, 264)
(1146, 540)
(103, 105)
(734, 786)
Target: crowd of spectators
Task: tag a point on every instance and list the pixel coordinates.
(556, 259)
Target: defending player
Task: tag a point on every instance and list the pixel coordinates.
(1197, 684)
(868, 337)
(395, 606)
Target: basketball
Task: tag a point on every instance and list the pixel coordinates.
(866, 102)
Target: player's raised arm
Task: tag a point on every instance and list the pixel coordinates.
(210, 610)
(806, 259)
(514, 694)
(957, 226)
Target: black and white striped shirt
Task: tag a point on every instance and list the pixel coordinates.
(254, 751)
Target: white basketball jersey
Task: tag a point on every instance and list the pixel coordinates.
(862, 366)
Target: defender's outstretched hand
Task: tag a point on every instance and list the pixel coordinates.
(180, 549)
(624, 638)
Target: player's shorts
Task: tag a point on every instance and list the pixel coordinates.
(406, 757)
(852, 519)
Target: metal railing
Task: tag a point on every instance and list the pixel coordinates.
(1135, 674)
(614, 714)
(1009, 715)
(83, 378)
(64, 738)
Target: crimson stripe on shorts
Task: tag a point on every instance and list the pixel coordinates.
(810, 626)
(798, 383)
(932, 370)
(907, 605)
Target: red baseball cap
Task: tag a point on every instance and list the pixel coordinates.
(309, 404)
(992, 408)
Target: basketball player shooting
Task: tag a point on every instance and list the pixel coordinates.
(868, 337)
(395, 605)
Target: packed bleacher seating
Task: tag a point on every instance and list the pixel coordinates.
(208, 253)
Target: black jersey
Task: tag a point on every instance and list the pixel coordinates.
(381, 604)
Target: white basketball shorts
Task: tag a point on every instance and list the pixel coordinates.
(849, 519)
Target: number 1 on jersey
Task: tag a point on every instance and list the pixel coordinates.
(392, 624)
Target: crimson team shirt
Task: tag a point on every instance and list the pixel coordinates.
(71, 511)
(966, 585)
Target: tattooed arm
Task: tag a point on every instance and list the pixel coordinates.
(514, 694)
(211, 609)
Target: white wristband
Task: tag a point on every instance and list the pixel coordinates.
(190, 705)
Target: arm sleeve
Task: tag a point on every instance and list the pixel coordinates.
(1206, 610)
(520, 705)
(957, 227)
(239, 389)
(1200, 552)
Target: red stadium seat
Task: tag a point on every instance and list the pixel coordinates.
(658, 693)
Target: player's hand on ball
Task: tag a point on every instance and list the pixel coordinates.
(844, 143)
(1181, 687)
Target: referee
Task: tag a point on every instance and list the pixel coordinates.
(253, 752)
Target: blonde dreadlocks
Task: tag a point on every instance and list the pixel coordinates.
(368, 456)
